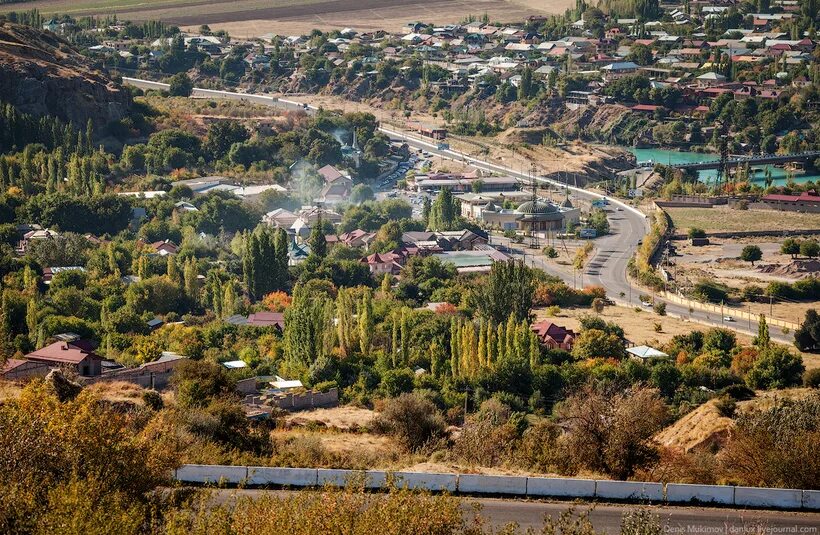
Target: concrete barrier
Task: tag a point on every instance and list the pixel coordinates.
(686, 493)
(295, 477)
(375, 479)
(483, 484)
(338, 478)
(211, 473)
(628, 490)
(555, 486)
(423, 481)
(760, 497)
(492, 484)
(811, 499)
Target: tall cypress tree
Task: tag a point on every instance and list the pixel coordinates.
(317, 241)
(281, 244)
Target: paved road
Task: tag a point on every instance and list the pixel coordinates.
(608, 265)
(606, 518)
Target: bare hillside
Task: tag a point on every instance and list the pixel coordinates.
(41, 74)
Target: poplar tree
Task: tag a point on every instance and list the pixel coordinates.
(229, 300)
(405, 337)
(281, 260)
(454, 347)
(345, 325)
(190, 280)
(366, 322)
(763, 338)
(31, 319)
(171, 269)
(317, 241)
(394, 341)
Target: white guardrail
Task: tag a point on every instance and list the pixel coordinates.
(536, 487)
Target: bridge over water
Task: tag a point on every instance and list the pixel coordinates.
(738, 161)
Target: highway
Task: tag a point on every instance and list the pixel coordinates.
(606, 517)
(608, 265)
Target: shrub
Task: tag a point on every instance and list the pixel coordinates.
(695, 232)
(611, 432)
(325, 386)
(413, 421)
(152, 400)
(659, 308)
(757, 456)
(777, 367)
(395, 382)
(812, 378)
(726, 406)
(738, 392)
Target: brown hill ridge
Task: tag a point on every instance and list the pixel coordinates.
(41, 74)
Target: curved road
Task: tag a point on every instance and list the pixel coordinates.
(607, 267)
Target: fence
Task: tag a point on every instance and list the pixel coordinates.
(536, 487)
(725, 310)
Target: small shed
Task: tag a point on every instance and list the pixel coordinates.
(646, 353)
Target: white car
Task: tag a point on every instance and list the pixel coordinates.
(728, 318)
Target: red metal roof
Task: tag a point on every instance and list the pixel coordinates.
(267, 319)
(806, 196)
(61, 352)
(546, 329)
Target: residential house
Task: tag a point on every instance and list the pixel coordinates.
(49, 272)
(267, 319)
(618, 69)
(19, 370)
(33, 235)
(164, 248)
(357, 238)
(280, 218)
(554, 336)
(381, 263)
(65, 354)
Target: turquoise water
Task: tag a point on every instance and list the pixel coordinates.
(779, 176)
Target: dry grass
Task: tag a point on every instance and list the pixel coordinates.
(638, 325)
(118, 391)
(380, 15)
(341, 418)
(9, 390)
(728, 220)
(704, 426)
(253, 18)
(697, 430)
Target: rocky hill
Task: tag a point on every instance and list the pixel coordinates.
(41, 74)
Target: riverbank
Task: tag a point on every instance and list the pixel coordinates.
(670, 157)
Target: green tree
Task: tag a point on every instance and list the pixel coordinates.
(763, 337)
(361, 193)
(810, 248)
(366, 324)
(751, 253)
(180, 85)
(444, 211)
(790, 246)
(776, 367)
(507, 291)
(317, 241)
(594, 343)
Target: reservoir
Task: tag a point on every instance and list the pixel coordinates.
(667, 157)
